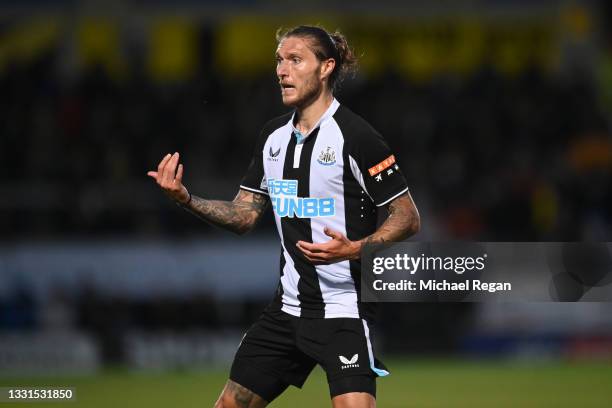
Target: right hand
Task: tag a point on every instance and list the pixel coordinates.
(170, 179)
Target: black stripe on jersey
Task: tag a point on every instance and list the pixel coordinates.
(356, 204)
(277, 302)
(296, 229)
(360, 217)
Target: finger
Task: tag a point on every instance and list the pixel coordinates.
(162, 164)
(313, 258)
(170, 169)
(316, 261)
(311, 247)
(331, 233)
(179, 174)
(152, 174)
(307, 252)
(318, 256)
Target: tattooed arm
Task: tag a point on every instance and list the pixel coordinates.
(402, 222)
(239, 215)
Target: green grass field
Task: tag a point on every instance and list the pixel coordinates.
(411, 384)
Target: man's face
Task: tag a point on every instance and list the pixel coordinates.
(298, 71)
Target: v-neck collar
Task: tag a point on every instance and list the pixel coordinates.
(326, 115)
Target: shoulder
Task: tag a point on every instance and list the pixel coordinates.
(275, 123)
(354, 128)
(269, 127)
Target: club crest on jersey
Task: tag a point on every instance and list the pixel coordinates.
(286, 203)
(327, 157)
(273, 155)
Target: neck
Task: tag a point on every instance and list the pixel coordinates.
(308, 116)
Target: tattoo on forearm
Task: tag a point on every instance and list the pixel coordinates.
(242, 396)
(403, 221)
(239, 215)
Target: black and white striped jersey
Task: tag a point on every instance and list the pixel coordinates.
(334, 177)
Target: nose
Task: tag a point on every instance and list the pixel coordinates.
(282, 70)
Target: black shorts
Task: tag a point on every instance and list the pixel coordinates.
(281, 350)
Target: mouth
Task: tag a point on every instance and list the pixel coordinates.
(286, 87)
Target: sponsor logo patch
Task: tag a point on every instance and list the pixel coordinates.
(273, 155)
(286, 203)
(383, 165)
(346, 363)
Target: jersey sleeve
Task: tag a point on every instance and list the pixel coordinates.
(376, 168)
(255, 179)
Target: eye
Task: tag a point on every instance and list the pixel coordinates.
(296, 60)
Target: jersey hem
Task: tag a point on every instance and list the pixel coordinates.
(345, 315)
(327, 315)
(254, 190)
(392, 198)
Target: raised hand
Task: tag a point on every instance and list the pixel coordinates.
(170, 179)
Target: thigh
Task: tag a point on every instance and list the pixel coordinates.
(236, 396)
(344, 350)
(354, 400)
(356, 389)
(267, 360)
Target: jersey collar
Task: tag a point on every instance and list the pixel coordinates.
(326, 115)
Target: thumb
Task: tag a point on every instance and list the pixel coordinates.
(152, 174)
(331, 233)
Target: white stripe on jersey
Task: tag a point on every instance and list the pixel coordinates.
(335, 280)
(289, 280)
(358, 176)
(297, 154)
(279, 140)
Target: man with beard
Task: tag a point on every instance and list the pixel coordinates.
(325, 171)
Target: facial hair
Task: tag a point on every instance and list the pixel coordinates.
(311, 89)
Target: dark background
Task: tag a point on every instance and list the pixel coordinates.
(498, 112)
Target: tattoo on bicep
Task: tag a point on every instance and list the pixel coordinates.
(252, 205)
(254, 202)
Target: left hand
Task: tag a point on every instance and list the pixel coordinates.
(339, 248)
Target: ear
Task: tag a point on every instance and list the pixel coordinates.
(327, 67)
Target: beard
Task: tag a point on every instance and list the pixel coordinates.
(311, 89)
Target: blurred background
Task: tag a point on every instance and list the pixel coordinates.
(498, 111)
